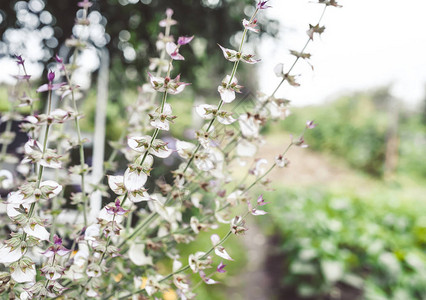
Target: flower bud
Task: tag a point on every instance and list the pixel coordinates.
(51, 76)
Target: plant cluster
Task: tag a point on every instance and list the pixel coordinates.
(350, 247)
(113, 252)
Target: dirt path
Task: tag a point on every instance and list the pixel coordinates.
(308, 168)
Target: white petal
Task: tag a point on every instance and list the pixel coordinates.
(16, 197)
(210, 281)
(162, 153)
(20, 276)
(258, 212)
(279, 70)
(136, 197)
(7, 256)
(184, 149)
(227, 95)
(220, 251)
(215, 239)
(57, 188)
(167, 110)
(201, 111)
(137, 255)
(116, 184)
(163, 125)
(133, 142)
(104, 215)
(170, 48)
(6, 181)
(133, 180)
(204, 164)
(248, 126)
(11, 208)
(39, 232)
(52, 164)
(176, 265)
(226, 120)
(246, 149)
(91, 232)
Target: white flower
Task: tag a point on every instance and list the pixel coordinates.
(258, 170)
(142, 144)
(6, 179)
(245, 148)
(279, 70)
(7, 255)
(50, 188)
(161, 120)
(219, 250)
(24, 275)
(37, 231)
(116, 184)
(184, 149)
(137, 255)
(235, 197)
(134, 180)
(12, 209)
(249, 125)
(228, 88)
(138, 196)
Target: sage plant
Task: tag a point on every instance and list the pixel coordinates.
(115, 255)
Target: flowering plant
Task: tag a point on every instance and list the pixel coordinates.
(112, 251)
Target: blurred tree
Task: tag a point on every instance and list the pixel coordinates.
(128, 28)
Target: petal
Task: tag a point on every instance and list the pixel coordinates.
(279, 70)
(215, 239)
(202, 109)
(11, 209)
(258, 212)
(184, 149)
(24, 276)
(229, 54)
(56, 187)
(43, 88)
(133, 180)
(246, 149)
(162, 153)
(134, 142)
(136, 197)
(137, 255)
(7, 255)
(38, 231)
(227, 95)
(116, 184)
(220, 251)
(226, 120)
(183, 40)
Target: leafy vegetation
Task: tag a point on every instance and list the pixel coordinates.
(363, 248)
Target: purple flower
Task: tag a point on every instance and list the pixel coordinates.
(261, 201)
(50, 86)
(84, 4)
(22, 77)
(262, 5)
(50, 76)
(221, 268)
(311, 125)
(57, 248)
(183, 40)
(19, 60)
(169, 12)
(58, 59)
(117, 210)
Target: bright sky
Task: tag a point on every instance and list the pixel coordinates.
(366, 44)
